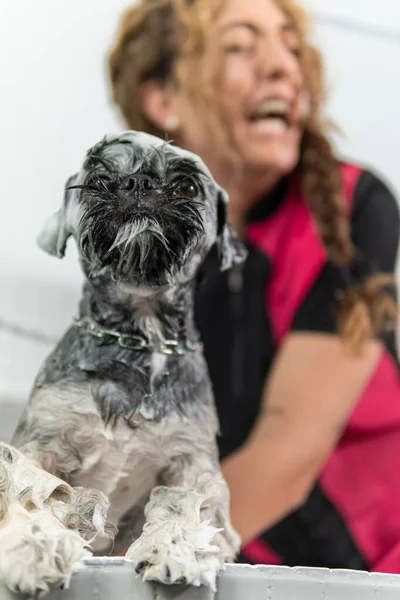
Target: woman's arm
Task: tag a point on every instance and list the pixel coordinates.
(310, 393)
(315, 382)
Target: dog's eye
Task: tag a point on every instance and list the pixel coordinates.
(186, 189)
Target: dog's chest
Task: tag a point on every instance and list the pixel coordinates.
(126, 467)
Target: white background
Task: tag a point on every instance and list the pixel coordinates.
(55, 103)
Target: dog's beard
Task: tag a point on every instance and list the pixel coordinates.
(148, 248)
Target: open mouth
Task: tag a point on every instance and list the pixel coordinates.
(273, 110)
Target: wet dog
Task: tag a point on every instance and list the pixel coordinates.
(121, 417)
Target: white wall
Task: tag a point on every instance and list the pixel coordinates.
(54, 104)
(382, 15)
(361, 42)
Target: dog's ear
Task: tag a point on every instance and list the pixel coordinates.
(230, 249)
(56, 231)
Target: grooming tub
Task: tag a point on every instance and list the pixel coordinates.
(115, 579)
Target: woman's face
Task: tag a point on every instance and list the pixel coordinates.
(259, 97)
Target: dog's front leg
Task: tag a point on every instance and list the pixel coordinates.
(187, 537)
(45, 525)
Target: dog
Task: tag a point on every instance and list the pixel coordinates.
(120, 429)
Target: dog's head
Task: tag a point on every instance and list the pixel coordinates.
(142, 211)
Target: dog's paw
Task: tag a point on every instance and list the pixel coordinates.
(199, 570)
(229, 542)
(37, 554)
(170, 554)
(84, 511)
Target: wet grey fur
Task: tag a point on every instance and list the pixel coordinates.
(144, 215)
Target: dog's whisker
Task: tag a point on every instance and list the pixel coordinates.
(127, 235)
(81, 187)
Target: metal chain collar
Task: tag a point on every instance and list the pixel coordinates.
(138, 342)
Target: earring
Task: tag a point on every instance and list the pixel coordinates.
(171, 123)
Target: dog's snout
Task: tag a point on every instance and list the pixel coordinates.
(135, 183)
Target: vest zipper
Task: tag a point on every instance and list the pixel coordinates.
(235, 284)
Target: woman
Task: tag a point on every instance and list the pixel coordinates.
(298, 342)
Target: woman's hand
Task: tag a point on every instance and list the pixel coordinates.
(309, 395)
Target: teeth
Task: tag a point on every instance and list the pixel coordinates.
(274, 106)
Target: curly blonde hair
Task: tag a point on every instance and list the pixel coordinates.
(153, 37)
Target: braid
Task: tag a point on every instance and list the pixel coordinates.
(362, 310)
(367, 310)
(322, 186)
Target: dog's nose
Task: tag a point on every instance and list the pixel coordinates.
(136, 183)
